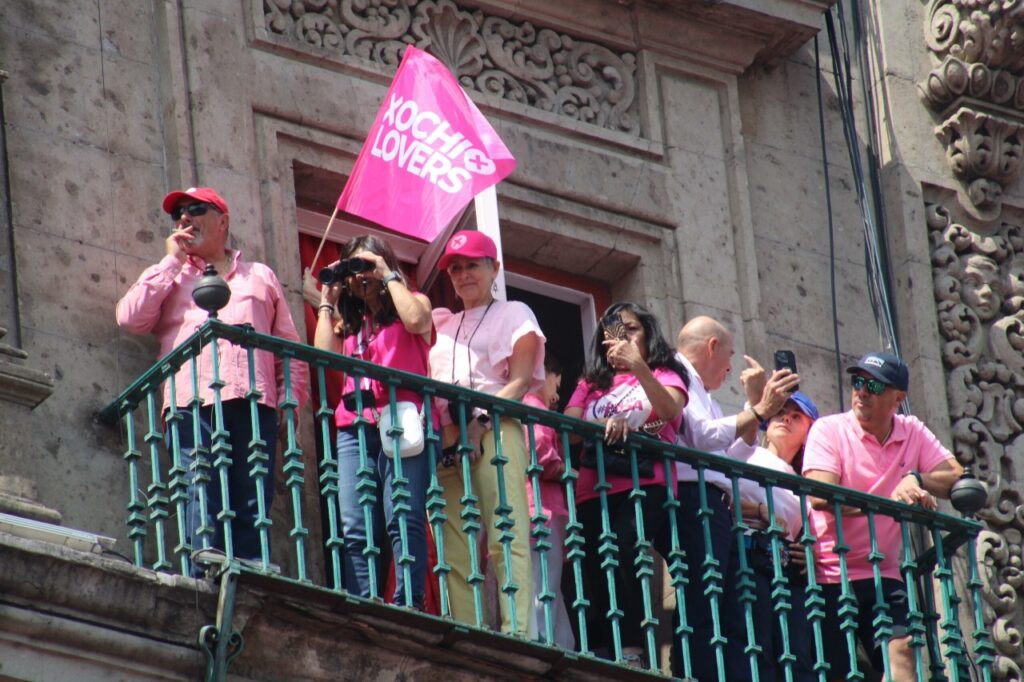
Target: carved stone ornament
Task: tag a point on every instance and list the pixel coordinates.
(516, 61)
(979, 292)
(978, 87)
(983, 151)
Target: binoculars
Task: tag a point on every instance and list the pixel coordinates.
(345, 268)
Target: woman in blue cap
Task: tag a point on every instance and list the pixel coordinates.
(782, 451)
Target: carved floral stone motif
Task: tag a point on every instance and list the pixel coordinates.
(984, 151)
(978, 86)
(516, 61)
(979, 292)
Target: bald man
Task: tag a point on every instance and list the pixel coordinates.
(705, 348)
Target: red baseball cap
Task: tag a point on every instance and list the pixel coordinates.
(207, 195)
(468, 244)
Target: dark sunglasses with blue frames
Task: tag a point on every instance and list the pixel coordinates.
(875, 387)
(194, 210)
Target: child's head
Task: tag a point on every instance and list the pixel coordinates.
(552, 380)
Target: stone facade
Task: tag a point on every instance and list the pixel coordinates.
(976, 92)
(667, 151)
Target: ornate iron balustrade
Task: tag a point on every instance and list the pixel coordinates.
(158, 515)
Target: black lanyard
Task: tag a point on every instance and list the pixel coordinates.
(469, 343)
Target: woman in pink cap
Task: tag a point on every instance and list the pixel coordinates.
(382, 321)
(496, 347)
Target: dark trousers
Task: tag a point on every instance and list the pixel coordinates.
(242, 487)
(837, 653)
(628, 588)
(699, 616)
(768, 629)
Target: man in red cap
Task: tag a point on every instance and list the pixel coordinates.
(160, 302)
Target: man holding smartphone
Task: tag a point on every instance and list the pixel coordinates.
(705, 347)
(160, 302)
(874, 449)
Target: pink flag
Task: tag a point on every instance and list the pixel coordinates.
(429, 152)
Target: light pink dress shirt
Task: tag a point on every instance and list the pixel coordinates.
(160, 302)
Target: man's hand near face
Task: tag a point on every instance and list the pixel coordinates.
(178, 241)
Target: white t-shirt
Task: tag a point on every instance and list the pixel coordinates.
(473, 347)
(786, 503)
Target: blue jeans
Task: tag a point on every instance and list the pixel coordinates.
(380, 476)
(242, 488)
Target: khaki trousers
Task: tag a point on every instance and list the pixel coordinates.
(484, 482)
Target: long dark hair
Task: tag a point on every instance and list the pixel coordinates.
(599, 373)
(352, 307)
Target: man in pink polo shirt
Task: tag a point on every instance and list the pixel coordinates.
(160, 302)
(873, 449)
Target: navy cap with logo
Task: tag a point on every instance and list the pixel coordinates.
(885, 367)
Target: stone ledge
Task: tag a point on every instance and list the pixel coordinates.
(28, 508)
(103, 591)
(327, 632)
(92, 616)
(24, 385)
(19, 384)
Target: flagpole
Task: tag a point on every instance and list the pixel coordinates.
(323, 240)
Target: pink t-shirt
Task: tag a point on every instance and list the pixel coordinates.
(478, 358)
(837, 444)
(392, 346)
(625, 395)
(549, 456)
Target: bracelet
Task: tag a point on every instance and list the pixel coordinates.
(394, 276)
(759, 418)
(325, 306)
(916, 474)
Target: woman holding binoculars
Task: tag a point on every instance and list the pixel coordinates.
(382, 321)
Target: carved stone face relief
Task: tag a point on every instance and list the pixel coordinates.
(979, 283)
(979, 294)
(516, 61)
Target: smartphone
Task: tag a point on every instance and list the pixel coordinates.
(614, 327)
(786, 359)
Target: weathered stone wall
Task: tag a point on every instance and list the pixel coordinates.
(626, 121)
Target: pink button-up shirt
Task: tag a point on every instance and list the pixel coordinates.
(160, 302)
(837, 444)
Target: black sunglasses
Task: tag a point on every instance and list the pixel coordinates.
(875, 387)
(193, 210)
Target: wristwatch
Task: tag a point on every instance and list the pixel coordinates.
(388, 279)
(916, 474)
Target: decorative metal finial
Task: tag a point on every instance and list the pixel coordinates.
(968, 494)
(211, 292)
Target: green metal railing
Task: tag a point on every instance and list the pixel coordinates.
(156, 517)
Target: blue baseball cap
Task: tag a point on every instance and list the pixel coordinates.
(885, 367)
(804, 402)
